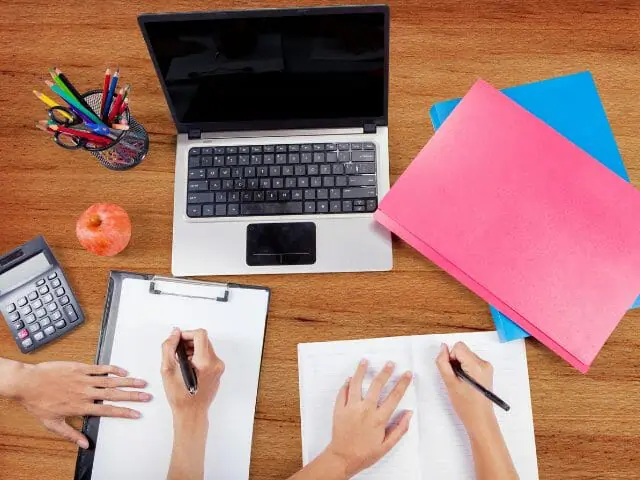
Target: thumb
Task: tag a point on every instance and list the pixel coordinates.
(169, 351)
(443, 361)
(66, 431)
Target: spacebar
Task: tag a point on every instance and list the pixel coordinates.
(271, 208)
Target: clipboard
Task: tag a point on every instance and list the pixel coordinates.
(215, 292)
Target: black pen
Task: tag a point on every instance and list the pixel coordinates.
(457, 368)
(188, 373)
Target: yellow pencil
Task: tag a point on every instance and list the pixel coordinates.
(50, 103)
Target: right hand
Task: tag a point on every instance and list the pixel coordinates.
(471, 406)
(209, 369)
(361, 432)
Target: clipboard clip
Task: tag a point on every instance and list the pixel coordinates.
(178, 287)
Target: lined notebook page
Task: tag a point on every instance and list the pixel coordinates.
(436, 446)
(141, 449)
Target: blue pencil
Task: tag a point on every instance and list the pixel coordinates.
(112, 89)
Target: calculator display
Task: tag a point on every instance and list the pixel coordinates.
(23, 272)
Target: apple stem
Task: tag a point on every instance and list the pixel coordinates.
(95, 221)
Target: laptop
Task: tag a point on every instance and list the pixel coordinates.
(282, 150)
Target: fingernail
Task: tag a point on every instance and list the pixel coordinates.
(175, 330)
(139, 383)
(135, 414)
(123, 372)
(83, 443)
(348, 381)
(409, 415)
(145, 397)
(389, 365)
(443, 347)
(407, 374)
(363, 361)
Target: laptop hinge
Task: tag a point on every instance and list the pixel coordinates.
(194, 134)
(370, 128)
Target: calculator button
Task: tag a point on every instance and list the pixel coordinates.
(60, 324)
(44, 289)
(71, 313)
(34, 327)
(22, 302)
(14, 316)
(23, 334)
(33, 295)
(57, 315)
(59, 292)
(36, 304)
(52, 276)
(18, 325)
(40, 312)
(47, 298)
(49, 330)
(30, 318)
(40, 282)
(27, 343)
(25, 310)
(52, 307)
(39, 336)
(45, 321)
(64, 300)
(11, 308)
(55, 283)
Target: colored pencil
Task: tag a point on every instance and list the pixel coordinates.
(105, 89)
(50, 103)
(112, 89)
(80, 133)
(72, 89)
(115, 106)
(118, 126)
(72, 102)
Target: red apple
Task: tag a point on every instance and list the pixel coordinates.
(104, 229)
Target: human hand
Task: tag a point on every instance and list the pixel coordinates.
(361, 432)
(209, 369)
(471, 406)
(53, 391)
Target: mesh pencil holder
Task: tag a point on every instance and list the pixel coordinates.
(131, 146)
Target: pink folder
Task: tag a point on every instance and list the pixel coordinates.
(526, 220)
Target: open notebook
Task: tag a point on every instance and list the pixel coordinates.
(141, 449)
(436, 445)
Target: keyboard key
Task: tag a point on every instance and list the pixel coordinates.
(225, 173)
(271, 196)
(309, 207)
(49, 330)
(265, 183)
(359, 203)
(334, 193)
(269, 159)
(46, 321)
(281, 149)
(252, 183)
(198, 186)
(34, 327)
(272, 208)
(207, 151)
(284, 195)
(59, 292)
(194, 211)
(303, 182)
(330, 146)
(218, 160)
(344, 156)
(207, 210)
(243, 160)
(268, 148)
(296, 195)
(60, 324)
(328, 182)
(277, 183)
(244, 149)
(27, 342)
(38, 336)
(362, 181)
(368, 146)
(221, 197)
(70, 312)
(194, 162)
(256, 159)
(343, 146)
(281, 158)
(323, 206)
(206, 161)
(256, 149)
(306, 158)
(52, 307)
(221, 210)
(22, 334)
(371, 205)
(236, 172)
(57, 315)
(36, 303)
(358, 208)
(22, 301)
(366, 156)
(315, 182)
(310, 194)
(300, 170)
(306, 147)
(11, 308)
(275, 171)
(215, 185)
(258, 196)
(25, 310)
(322, 194)
(33, 295)
(40, 282)
(313, 170)
(325, 169)
(356, 146)
(335, 206)
(347, 206)
(365, 167)
(52, 275)
(231, 150)
(56, 283)
(290, 182)
(227, 184)
(213, 172)
(233, 209)
(194, 151)
(337, 169)
(197, 174)
(350, 168)
(30, 318)
(218, 150)
(231, 160)
(43, 289)
(359, 192)
(239, 184)
(233, 196)
(14, 316)
(17, 325)
(294, 148)
(293, 158)
(249, 172)
(318, 147)
(262, 171)
(287, 171)
(318, 157)
(332, 157)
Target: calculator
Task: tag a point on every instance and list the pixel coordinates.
(36, 300)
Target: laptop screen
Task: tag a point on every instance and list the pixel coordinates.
(272, 69)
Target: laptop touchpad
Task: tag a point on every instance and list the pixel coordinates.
(281, 244)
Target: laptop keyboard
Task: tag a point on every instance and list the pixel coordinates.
(285, 179)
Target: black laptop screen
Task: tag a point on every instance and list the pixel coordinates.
(271, 70)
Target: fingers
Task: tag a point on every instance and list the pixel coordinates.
(99, 410)
(105, 370)
(202, 348)
(117, 395)
(465, 356)
(115, 382)
(341, 399)
(397, 431)
(395, 397)
(375, 389)
(169, 351)
(443, 361)
(67, 432)
(355, 386)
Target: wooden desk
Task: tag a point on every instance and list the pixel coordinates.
(586, 426)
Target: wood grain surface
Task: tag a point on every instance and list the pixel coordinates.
(586, 425)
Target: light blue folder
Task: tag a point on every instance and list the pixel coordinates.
(571, 105)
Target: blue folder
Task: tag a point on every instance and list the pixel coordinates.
(571, 105)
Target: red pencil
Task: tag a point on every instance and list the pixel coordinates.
(80, 133)
(105, 89)
(115, 107)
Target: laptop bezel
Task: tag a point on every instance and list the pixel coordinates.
(145, 19)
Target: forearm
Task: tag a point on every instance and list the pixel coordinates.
(325, 466)
(490, 453)
(189, 443)
(9, 378)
